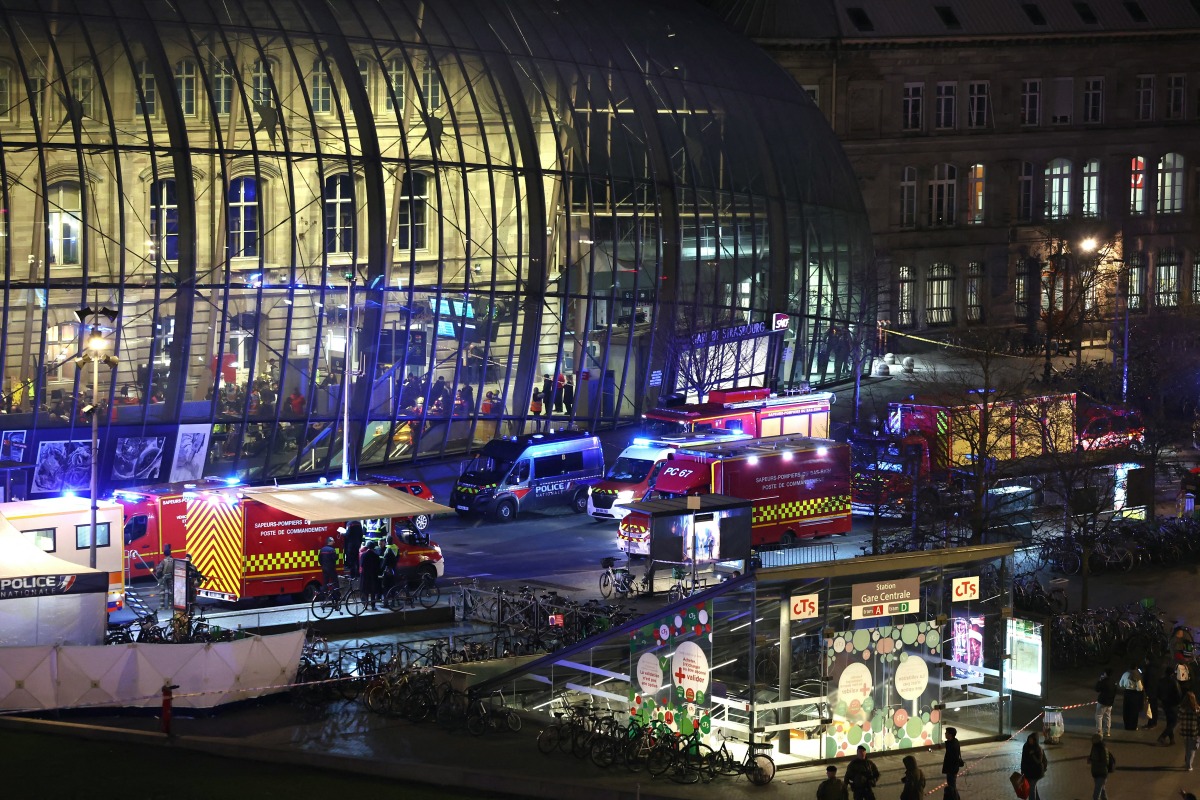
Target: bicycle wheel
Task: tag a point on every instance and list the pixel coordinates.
(512, 720)
(603, 752)
(761, 769)
(356, 603)
(606, 584)
(477, 723)
(724, 764)
(428, 594)
(547, 740)
(659, 760)
(322, 606)
(393, 599)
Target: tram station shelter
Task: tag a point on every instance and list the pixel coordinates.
(883, 651)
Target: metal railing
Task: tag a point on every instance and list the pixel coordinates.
(798, 554)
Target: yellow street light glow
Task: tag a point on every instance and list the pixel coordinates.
(98, 343)
(1088, 245)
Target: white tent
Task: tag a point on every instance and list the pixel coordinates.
(46, 600)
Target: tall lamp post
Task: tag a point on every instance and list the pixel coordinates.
(350, 279)
(95, 355)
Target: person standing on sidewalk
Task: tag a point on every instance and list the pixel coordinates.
(831, 788)
(1151, 671)
(913, 780)
(1033, 764)
(952, 763)
(1102, 763)
(1132, 697)
(862, 775)
(1189, 728)
(1170, 695)
(1106, 695)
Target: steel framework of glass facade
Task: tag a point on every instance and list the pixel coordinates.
(482, 193)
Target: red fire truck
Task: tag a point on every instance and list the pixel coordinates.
(799, 487)
(753, 412)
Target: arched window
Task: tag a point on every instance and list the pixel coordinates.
(260, 83)
(243, 232)
(146, 93)
(1058, 189)
(908, 198)
(339, 214)
(222, 85)
(1137, 185)
(942, 195)
(1091, 188)
(185, 85)
(164, 220)
(64, 224)
(906, 284)
(414, 212)
(939, 295)
(975, 192)
(1170, 184)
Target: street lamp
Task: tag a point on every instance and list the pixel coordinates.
(95, 355)
(350, 276)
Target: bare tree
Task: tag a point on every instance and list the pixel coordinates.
(859, 307)
(709, 347)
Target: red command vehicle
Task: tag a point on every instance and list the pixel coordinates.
(799, 487)
(154, 516)
(753, 412)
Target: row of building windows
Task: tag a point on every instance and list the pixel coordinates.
(942, 301)
(82, 87)
(1067, 191)
(244, 205)
(1061, 98)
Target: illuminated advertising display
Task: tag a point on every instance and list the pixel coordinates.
(1025, 648)
(718, 535)
(966, 645)
(670, 663)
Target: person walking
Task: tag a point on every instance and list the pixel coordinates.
(832, 787)
(1151, 671)
(568, 395)
(1102, 763)
(952, 763)
(1170, 695)
(1189, 728)
(1033, 764)
(391, 557)
(327, 558)
(351, 547)
(547, 394)
(913, 780)
(372, 565)
(862, 775)
(1132, 697)
(1106, 695)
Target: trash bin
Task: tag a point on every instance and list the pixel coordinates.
(1053, 726)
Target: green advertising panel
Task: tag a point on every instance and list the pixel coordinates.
(670, 661)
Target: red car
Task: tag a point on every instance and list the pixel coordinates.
(415, 488)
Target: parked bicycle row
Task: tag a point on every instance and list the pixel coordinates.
(347, 599)
(607, 741)
(545, 619)
(182, 628)
(1097, 636)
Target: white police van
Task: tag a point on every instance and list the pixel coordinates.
(528, 472)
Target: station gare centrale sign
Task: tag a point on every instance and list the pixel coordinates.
(885, 598)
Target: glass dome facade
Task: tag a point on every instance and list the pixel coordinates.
(255, 205)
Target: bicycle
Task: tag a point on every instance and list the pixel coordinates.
(619, 580)
(336, 598)
(758, 767)
(682, 586)
(423, 592)
(483, 716)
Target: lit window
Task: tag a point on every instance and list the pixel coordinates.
(164, 220)
(1196, 278)
(975, 291)
(185, 86)
(243, 218)
(1058, 189)
(1031, 101)
(64, 224)
(395, 76)
(222, 85)
(146, 102)
(905, 297)
(42, 538)
(83, 536)
(946, 110)
(5, 91)
(1170, 184)
(1093, 100)
(322, 92)
(1091, 188)
(1166, 279)
(1145, 98)
(260, 83)
(975, 194)
(339, 214)
(1021, 290)
(1176, 96)
(62, 343)
(939, 295)
(978, 96)
(1137, 185)
(1025, 193)
(414, 212)
(908, 198)
(83, 90)
(431, 87)
(1137, 282)
(37, 88)
(912, 110)
(942, 195)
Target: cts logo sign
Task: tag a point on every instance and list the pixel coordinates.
(805, 606)
(964, 589)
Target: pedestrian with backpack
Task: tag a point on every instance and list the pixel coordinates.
(952, 763)
(1102, 762)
